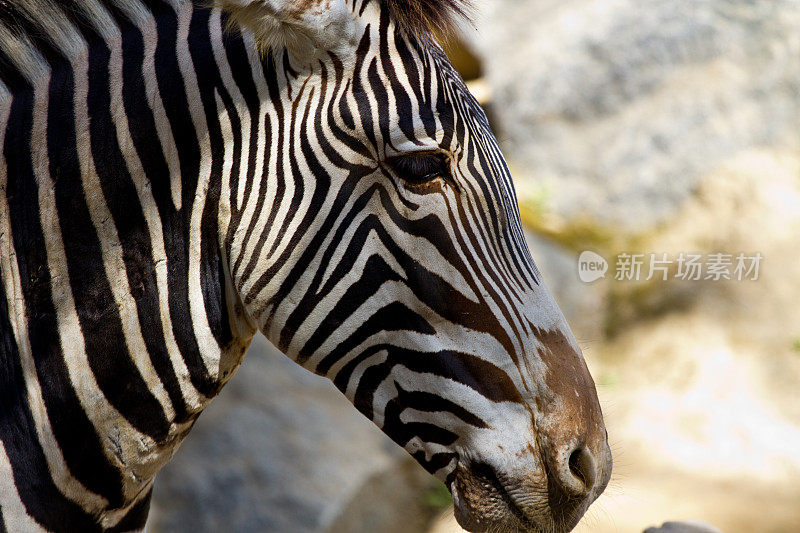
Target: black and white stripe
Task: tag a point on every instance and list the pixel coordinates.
(167, 190)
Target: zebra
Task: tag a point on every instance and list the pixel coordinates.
(177, 176)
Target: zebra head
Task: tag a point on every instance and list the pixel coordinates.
(384, 250)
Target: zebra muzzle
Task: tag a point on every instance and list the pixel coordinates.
(550, 497)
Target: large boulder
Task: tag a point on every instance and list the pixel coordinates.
(281, 450)
(615, 109)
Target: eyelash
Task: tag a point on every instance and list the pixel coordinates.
(421, 168)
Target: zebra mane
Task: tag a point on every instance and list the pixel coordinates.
(27, 24)
(420, 18)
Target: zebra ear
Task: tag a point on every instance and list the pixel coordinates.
(303, 27)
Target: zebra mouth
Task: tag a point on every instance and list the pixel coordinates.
(484, 502)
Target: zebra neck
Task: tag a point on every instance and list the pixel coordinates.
(118, 322)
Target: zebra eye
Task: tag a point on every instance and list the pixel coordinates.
(420, 168)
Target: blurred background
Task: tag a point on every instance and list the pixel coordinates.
(630, 126)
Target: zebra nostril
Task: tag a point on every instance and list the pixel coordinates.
(583, 469)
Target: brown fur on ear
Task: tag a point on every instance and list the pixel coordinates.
(420, 18)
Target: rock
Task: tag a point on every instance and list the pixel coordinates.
(614, 110)
(281, 450)
(691, 526)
